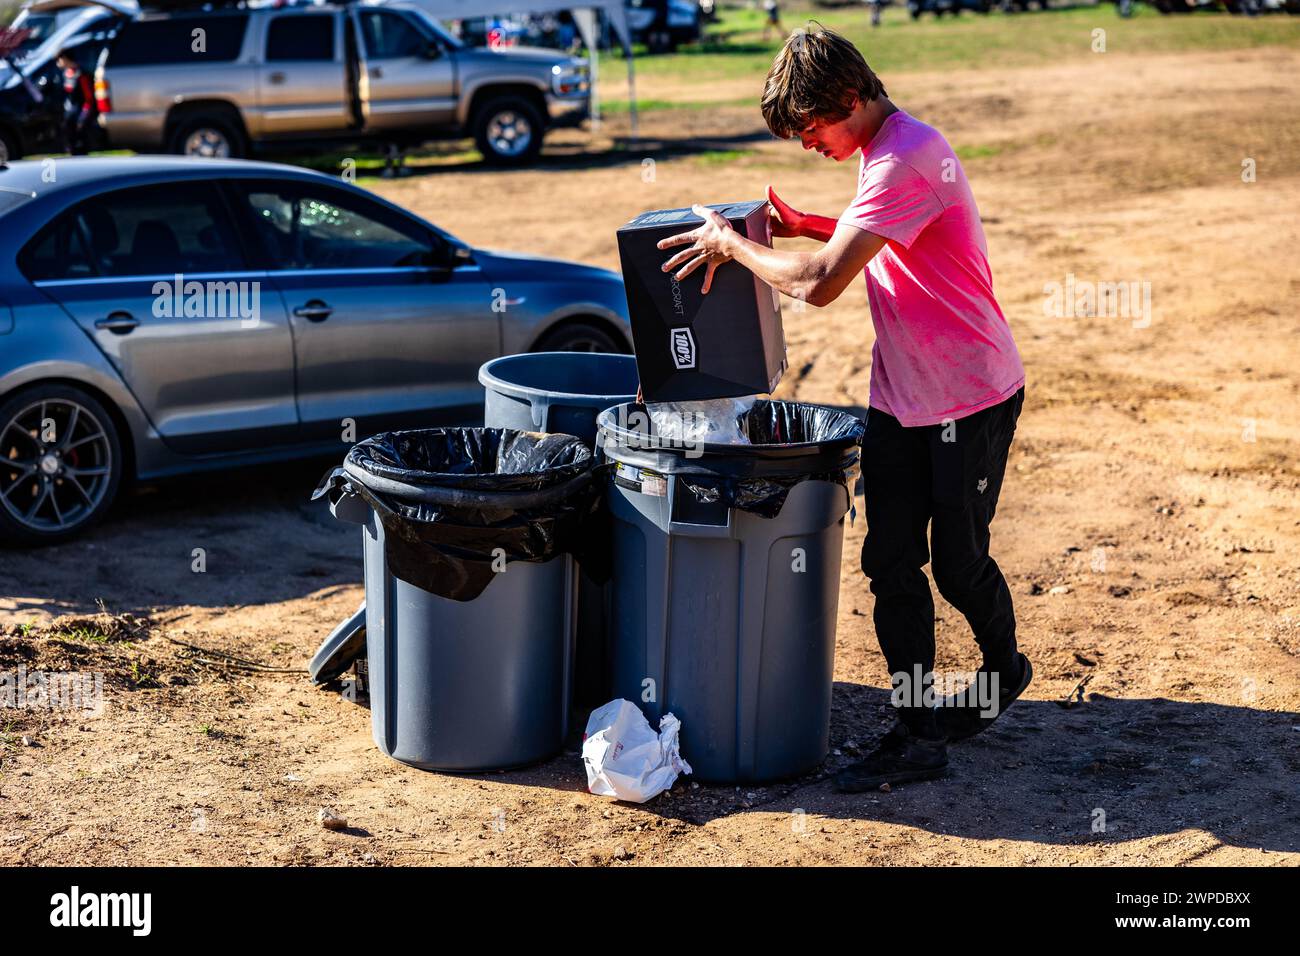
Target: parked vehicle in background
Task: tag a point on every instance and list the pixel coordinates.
(553, 31)
(953, 7)
(283, 77)
(662, 25)
(160, 316)
(31, 84)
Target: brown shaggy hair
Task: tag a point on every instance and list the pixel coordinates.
(817, 75)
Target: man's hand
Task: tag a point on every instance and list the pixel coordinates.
(787, 222)
(710, 246)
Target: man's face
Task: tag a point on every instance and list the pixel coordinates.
(837, 141)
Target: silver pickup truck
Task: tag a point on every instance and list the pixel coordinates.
(221, 83)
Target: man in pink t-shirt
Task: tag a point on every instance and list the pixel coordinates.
(947, 384)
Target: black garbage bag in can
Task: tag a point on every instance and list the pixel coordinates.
(470, 539)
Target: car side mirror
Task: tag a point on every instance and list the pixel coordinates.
(443, 262)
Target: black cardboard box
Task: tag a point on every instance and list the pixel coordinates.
(691, 346)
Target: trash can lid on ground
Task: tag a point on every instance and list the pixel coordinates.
(344, 645)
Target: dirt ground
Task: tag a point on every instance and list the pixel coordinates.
(1148, 529)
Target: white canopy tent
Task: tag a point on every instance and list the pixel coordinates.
(584, 17)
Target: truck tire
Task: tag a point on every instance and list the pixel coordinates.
(213, 135)
(508, 131)
(52, 490)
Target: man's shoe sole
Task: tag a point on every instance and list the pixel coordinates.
(867, 784)
(956, 734)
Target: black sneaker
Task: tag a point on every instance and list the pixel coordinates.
(901, 757)
(961, 719)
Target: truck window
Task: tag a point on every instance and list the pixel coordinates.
(214, 39)
(390, 36)
(295, 39)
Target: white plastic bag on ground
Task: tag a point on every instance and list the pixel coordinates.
(625, 758)
(714, 420)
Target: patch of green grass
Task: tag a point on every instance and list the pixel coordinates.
(80, 634)
(7, 737)
(617, 107)
(969, 41)
(720, 157)
(984, 151)
(141, 677)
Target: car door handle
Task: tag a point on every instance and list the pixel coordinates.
(119, 323)
(314, 311)
(276, 78)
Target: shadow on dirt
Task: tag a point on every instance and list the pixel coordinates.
(231, 539)
(1105, 771)
(563, 157)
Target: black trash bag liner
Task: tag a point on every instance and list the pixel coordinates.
(483, 459)
(481, 496)
(798, 423)
(790, 442)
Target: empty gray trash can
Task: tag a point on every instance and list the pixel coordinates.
(564, 392)
(555, 391)
(726, 574)
(469, 535)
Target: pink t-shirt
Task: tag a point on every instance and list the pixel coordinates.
(943, 347)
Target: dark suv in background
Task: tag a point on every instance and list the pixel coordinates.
(31, 84)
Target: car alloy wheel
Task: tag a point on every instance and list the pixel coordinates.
(207, 142)
(509, 133)
(56, 465)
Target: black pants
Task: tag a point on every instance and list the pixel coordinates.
(948, 477)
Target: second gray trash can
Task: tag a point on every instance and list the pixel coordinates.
(469, 540)
(555, 391)
(726, 576)
(564, 392)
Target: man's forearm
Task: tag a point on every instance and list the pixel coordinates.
(797, 274)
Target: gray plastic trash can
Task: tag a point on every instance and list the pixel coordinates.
(555, 391)
(478, 677)
(726, 574)
(564, 392)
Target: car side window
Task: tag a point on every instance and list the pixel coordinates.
(390, 36)
(305, 228)
(146, 231)
(300, 39)
(59, 251)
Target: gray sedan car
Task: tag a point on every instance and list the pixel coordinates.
(164, 316)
